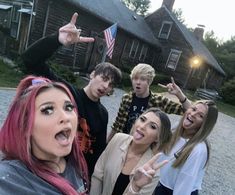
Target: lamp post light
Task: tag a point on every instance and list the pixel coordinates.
(194, 62)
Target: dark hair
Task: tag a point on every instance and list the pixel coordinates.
(109, 70)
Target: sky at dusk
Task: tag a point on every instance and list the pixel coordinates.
(216, 15)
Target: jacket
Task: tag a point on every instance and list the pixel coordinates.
(110, 164)
(155, 100)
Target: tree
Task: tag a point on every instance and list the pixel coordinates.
(179, 15)
(211, 42)
(224, 52)
(138, 6)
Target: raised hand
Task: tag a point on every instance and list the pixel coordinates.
(144, 175)
(172, 87)
(70, 34)
(175, 90)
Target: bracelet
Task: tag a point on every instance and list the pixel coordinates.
(131, 190)
(183, 101)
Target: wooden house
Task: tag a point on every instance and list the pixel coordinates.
(134, 43)
(158, 39)
(14, 26)
(185, 57)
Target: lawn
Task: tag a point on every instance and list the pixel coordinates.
(9, 76)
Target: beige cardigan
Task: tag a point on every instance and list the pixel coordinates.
(110, 163)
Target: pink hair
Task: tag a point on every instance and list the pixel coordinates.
(16, 133)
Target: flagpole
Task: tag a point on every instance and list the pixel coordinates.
(104, 54)
(101, 33)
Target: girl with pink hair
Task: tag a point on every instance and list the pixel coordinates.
(39, 142)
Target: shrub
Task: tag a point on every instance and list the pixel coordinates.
(63, 72)
(126, 81)
(161, 78)
(228, 91)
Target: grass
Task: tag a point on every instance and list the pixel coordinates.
(226, 108)
(223, 107)
(10, 77)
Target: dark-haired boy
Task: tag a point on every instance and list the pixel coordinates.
(93, 116)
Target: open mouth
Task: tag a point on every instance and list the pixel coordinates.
(188, 121)
(138, 135)
(101, 91)
(63, 136)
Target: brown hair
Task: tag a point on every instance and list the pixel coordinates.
(165, 130)
(109, 70)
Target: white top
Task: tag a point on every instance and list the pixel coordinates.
(188, 177)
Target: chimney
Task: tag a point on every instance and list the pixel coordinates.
(169, 4)
(199, 31)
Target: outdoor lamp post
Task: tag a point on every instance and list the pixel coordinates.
(194, 62)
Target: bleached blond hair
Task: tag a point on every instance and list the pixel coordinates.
(144, 70)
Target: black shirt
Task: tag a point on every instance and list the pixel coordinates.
(121, 184)
(138, 106)
(94, 114)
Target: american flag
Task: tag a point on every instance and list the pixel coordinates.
(110, 34)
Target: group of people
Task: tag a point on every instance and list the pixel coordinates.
(54, 138)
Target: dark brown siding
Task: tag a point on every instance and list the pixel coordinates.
(53, 14)
(175, 41)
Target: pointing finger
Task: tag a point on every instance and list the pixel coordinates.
(74, 18)
(172, 80)
(87, 39)
(161, 85)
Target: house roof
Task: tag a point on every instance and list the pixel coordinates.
(198, 47)
(114, 11)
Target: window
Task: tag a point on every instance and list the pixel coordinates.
(143, 53)
(5, 15)
(165, 30)
(134, 48)
(173, 59)
(15, 20)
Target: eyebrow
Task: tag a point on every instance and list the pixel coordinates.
(200, 112)
(156, 124)
(152, 121)
(45, 103)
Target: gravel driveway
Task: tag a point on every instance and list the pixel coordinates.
(220, 174)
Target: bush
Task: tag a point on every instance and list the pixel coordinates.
(228, 91)
(161, 78)
(126, 80)
(64, 72)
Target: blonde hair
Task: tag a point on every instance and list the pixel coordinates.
(144, 70)
(200, 136)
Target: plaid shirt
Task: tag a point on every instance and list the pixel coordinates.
(155, 100)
